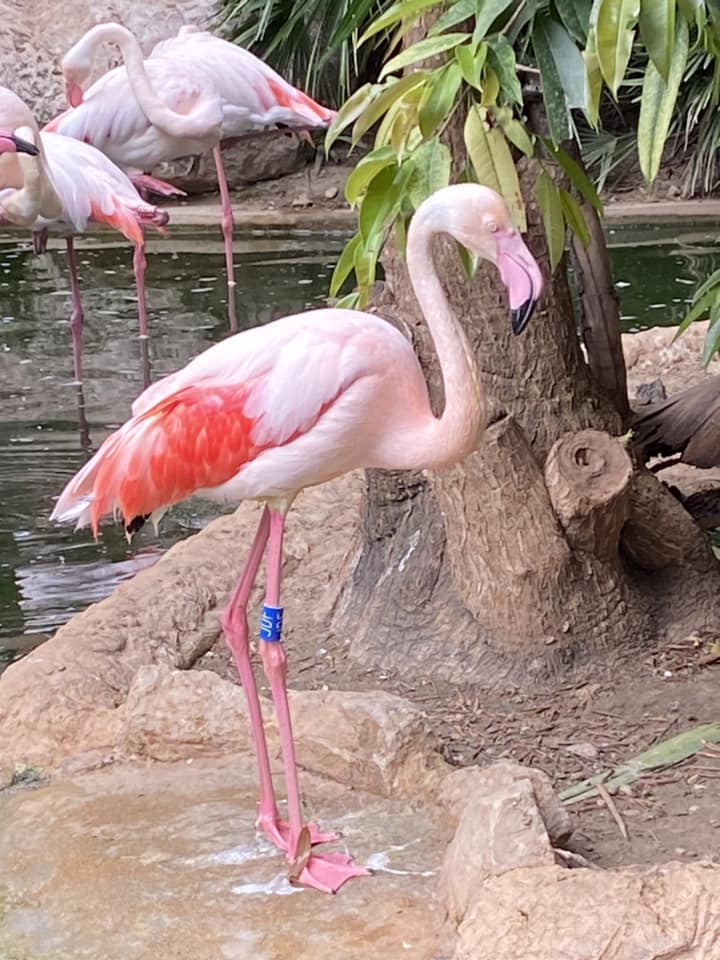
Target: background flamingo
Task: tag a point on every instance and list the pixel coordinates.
(293, 404)
(60, 188)
(192, 92)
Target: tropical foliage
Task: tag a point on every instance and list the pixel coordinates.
(313, 43)
(483, 60)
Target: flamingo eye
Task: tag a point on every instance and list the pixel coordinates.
(491, 226)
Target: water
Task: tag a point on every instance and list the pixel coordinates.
(48, 573)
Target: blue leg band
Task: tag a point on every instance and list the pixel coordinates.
(271, 624)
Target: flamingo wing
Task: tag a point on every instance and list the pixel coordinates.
(253, 94)
(91, 187)
(197, 428)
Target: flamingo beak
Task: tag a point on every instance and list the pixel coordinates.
(73, 93)
(9, 143)
(521, 275)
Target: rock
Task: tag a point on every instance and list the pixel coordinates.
(330, 193)
(247, 160)
(661, 912)
(371, 741)
(462, 788)
(302, 200)
(586, 750)
(176, 714)
(500, 829)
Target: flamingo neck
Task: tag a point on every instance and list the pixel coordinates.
(204, 120)
(456, 433)
(37, 196)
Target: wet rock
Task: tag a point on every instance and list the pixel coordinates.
(162, 861)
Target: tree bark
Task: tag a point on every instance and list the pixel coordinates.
(523, 560)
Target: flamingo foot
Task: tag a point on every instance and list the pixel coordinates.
(278, 832)
(326, 872)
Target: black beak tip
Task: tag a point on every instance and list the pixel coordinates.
(23, 146)
(520, 317)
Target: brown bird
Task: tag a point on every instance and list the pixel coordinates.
(685, 427)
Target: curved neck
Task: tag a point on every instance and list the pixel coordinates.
(37, 196)
(199, 123)
(455, 434)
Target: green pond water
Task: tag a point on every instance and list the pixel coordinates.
(48, 573)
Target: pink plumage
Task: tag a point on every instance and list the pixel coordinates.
(193, 92)
(64, 187)
(292, 404)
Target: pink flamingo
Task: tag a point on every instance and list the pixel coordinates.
(292, 404)
(61, 186)
(193, 92)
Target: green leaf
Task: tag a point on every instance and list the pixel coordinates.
(365, 170)
(657, 30)
(348, 302)
(490, 87)
(513, 129)
(344, 265)
(712, 337)
(577, 176)
(438, 105)
(691, 9)
(568, 61)
(699, 309)
(548, 200)
(377, 207)
(471, 64)
(487, 12)
(575, 15)
(398, 11)
(383, 98)
(556, 106)
(349, 112)
(657, 104)
(462, 10)
(502, 59)
(614, 22)
(468, 261)
(593, 80)
(574, 216)
(492, 161)
(423, 50)
(432, 170)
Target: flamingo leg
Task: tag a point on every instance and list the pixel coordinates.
(76, 317)
(235, 628)
(139, 268)
(326, 871)
(227, 229)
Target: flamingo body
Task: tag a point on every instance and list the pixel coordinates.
(111, 118)
(260, 415)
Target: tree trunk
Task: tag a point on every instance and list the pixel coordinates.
(543, 547)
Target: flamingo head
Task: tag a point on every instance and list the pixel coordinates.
(11, 143)
(481, 221)
(76, 67)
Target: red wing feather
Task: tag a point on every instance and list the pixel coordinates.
(195, 439)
